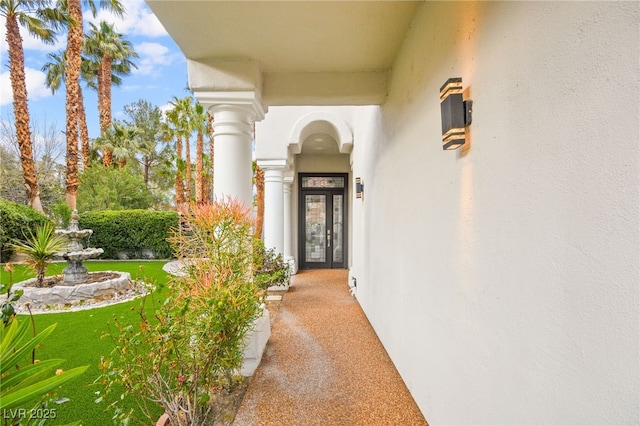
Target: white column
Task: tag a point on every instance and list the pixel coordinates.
(273, 203)
(288, 247)
(233, 116)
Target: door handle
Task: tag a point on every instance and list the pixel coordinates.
(329, 238)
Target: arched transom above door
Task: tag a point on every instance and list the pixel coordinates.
(321, 133)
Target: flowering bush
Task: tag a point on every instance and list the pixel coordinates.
(269, 267)
(190, 352)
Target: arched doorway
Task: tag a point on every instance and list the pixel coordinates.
(320, 148)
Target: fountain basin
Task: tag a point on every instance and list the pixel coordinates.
(82, 255)
(63, 294)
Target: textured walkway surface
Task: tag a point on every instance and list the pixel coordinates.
(324, 365)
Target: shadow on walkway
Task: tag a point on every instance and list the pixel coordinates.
(324, 365)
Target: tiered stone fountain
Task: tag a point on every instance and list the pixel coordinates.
(77, 286)
(75, 273)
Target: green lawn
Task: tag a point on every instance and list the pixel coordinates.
(78, 338)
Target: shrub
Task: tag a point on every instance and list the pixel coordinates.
(112, 189)
(269, 267)
(40, 249)
(61, 214)
(130, 231)
(16, 221)
(190, 353)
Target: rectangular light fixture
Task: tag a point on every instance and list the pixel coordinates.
(456, 114)
(359, 187)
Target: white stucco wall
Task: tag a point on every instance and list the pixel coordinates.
(503, 280)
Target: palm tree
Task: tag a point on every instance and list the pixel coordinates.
(55, 72)
(200, 125)
(40, 248)
(187, 156)
(170, 131)
(73, 99)
(76, 120)
(121, 140)
(180, 126)
(207, 184)
(186, 111)
(55, 75)
(42, 22)
(109, 49)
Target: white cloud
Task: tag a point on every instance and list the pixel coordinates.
(153, 55)
(152, 50)
(36, 88)
(138, 21)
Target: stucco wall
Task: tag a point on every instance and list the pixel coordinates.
(503, 279)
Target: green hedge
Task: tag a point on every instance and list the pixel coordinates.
(16, 220)
(131, 232)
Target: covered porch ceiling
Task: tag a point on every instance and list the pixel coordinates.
(291, 52)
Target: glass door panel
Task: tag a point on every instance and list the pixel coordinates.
(338, 229)
(315, 246)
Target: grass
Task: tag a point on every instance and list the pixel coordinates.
(78, 339)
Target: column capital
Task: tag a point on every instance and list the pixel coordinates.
(247, 101)
(288, 179)
(279, 164)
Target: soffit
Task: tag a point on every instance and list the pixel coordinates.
(320, 144)
(326, 40)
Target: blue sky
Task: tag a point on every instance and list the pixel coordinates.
(161, 73)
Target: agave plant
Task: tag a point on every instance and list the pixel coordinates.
(20, 384)
(40, 248)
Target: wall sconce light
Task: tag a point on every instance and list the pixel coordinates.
(359, 188)
(456, 114)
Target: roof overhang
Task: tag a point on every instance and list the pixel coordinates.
(291, 52)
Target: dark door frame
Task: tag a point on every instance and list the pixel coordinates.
(329, 264)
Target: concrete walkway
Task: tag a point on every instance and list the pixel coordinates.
(324, 365)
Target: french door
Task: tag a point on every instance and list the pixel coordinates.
(323, 221)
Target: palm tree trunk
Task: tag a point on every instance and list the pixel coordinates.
(199, 160)
(21, 111)
(187, 159)
(40, 277)
(179, 186)
(72, 81)
(84, 131)
(106, 69)
(104, 103)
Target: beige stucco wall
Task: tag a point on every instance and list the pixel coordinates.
(503, 279)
